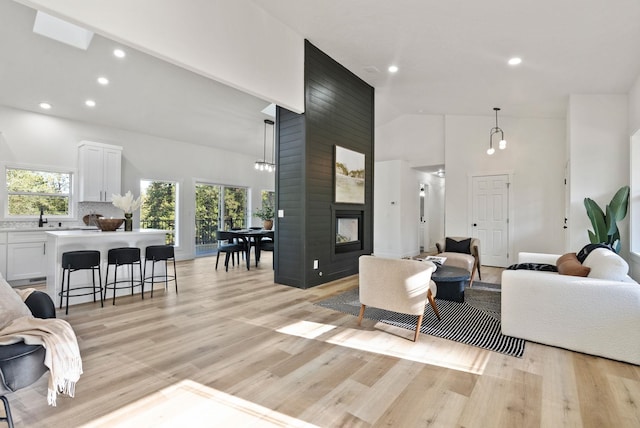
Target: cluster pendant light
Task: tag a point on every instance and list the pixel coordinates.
(502, 144)
(263, 165)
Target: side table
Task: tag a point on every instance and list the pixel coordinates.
(451, 282)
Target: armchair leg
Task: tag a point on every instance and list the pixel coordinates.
(433, 304)
(7, 411)
(361, 314)
(418, 324)
(473, 272)
(479, 275)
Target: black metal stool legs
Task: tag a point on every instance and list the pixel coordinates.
(7, 411)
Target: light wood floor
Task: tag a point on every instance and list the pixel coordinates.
(244, 351)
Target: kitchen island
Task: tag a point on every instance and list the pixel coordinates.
(59, 242)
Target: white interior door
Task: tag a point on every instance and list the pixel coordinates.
(490, 218)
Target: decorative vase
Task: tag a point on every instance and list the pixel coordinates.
(267, 224)
(128, 222)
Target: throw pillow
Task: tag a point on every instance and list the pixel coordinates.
(606, 264)
(11, 305)
(533, 266)
(453, 246)
(568, 264)
(587, 249)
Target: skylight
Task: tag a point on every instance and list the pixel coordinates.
(62, 31)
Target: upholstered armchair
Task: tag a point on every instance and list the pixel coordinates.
(397, 285)
(462, 252)
(22, 364)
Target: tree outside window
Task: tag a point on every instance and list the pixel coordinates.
(29, 191)
(158, 210)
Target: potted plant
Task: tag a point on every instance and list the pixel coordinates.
(605, 227)
(266, 214)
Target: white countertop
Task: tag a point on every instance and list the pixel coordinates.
(46, 229)
(96, 233)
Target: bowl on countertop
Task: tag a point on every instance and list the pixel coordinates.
(109, 224)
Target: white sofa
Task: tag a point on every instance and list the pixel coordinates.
(589, 314)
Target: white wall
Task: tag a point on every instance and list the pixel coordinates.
(535, 156)
(599, 159)
(233, 42)
(634, 127)
(31, 138)
(396, 210)
(415, 138)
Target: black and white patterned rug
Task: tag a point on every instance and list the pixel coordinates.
(475, 322)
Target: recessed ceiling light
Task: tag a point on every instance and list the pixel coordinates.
(90, 103)
(119, 53)
(393, 69)
(45, 106)
(515, 61)
(103, 80)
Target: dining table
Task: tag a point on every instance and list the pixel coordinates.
(252, 238)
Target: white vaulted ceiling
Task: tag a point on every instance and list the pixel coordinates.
(452, 58)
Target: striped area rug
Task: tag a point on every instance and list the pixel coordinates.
(460, 322)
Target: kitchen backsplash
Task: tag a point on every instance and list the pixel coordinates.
(106, 209)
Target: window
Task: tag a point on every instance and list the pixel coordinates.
(31, 190)
(159, 207)
(268, 198)
(218, 207)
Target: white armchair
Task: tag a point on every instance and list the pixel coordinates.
(397, 285)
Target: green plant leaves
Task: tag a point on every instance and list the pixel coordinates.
(605, 227)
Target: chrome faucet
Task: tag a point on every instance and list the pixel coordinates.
(41, 222)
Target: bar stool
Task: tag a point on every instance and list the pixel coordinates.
(73, 261)
(120, 257)
(158, 253)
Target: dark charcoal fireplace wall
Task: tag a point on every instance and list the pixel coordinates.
(339, 109)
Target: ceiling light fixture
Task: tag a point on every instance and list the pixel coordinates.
(90, 103)
(263, 165)
(496, 129)
(119, 53)
(515, 61)
(103, 80)
(45, 106)
(393, 69)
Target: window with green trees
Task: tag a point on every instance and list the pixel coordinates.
(269, 198)
(218, 207)
(30, 190)
(159, 205)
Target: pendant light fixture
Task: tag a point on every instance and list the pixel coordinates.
(263, 165)
(502, 144)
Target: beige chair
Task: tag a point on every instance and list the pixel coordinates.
(397, 285)
(469, 260)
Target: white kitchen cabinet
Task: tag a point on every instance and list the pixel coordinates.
(3, 254)
(99, 171)
(26, 255)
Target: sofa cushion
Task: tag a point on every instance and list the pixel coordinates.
(453, 246)
(605, 264)
(587, 249)
(11, 305)
(568, 264)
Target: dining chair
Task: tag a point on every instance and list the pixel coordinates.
(227, 244)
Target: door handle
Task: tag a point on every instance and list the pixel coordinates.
(475, 224)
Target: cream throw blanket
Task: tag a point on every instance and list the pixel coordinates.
(62, 355)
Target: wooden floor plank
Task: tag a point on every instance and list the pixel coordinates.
(263, 352)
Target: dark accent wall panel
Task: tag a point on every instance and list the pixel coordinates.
(339, 110)
(290, 190)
